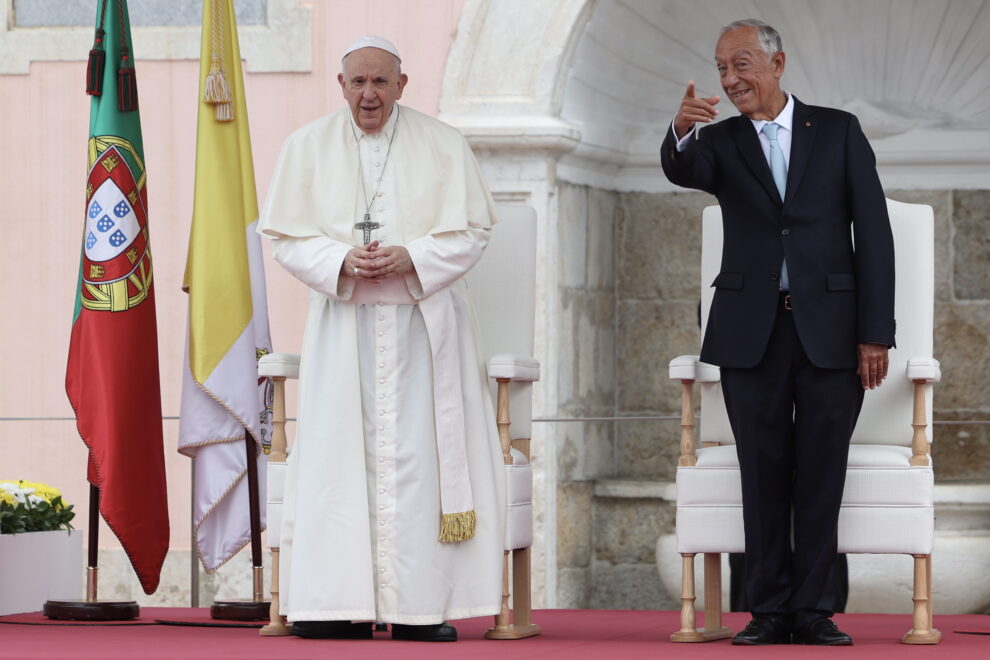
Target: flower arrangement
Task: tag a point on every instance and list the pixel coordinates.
(26, 506)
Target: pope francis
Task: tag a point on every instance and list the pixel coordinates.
(394, 500)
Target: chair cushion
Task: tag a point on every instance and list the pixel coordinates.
(877, 475)
(518, 484)
(519, 526)
(519, 502)
(887, 504)
(515, 367)
(862, 529)
(279, 365)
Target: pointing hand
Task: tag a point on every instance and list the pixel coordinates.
(693, 110)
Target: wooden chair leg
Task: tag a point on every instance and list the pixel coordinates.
(503, 627)
(521, 624)
(687, 633)
(522, 595)
(276, 626)
(922, 632)
(713, 628)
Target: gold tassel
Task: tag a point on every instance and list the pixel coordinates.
(224, 111)
(217, 88)
(456, 527)
(217, 92)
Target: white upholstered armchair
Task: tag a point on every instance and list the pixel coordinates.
(502, 286)
(888, 502)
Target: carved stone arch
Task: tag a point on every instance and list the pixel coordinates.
(506, 72)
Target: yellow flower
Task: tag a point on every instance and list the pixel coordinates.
(44, 491)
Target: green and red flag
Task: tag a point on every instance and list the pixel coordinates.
(112, 376)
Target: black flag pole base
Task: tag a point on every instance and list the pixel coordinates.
(85, 610)
(240, 610)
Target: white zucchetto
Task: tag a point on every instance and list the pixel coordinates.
(371, 41)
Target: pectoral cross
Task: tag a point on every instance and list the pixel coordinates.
(367, 226)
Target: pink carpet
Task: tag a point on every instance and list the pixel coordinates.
(567, 634)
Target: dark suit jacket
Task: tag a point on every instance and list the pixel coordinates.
(840, 296)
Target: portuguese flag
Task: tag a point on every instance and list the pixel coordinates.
(112, 375)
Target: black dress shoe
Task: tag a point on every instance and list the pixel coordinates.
(763, 630)
(440, 632)
(822, 632)
(331, 630)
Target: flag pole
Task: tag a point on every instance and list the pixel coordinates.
(256, 609)
(92, 609)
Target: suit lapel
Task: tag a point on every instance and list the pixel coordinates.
(748, 145)
(803, 129)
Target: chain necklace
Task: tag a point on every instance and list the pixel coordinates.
(366, 225)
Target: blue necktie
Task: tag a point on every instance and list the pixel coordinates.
(778, 168)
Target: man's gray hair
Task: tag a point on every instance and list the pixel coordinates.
(769, 37)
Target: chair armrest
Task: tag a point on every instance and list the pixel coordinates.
(924, 368)
(519, 368)
(279, 365)
(689, 367)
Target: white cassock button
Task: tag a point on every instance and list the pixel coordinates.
(381, 413)
(381, 349)
(377, 149)
(382, 587)
(381, 365)
(381, 428)
(381, 318)
(381, 491)
(381, 570)
(382, 443)
(381, 208)
(381, 380)
(381, 396)
(381, 459)
(381, 554)
(381, 475)
(381, 523)
(381, 507)
(381, 334)
(381, 304)
(382, 538)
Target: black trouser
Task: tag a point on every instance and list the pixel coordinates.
(792, 423)
(737, 580)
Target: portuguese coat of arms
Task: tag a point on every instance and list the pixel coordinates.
(116, 264)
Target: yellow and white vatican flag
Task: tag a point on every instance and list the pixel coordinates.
(227, 328)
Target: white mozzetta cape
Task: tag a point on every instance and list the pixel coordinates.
(388, 371)
(314, 190)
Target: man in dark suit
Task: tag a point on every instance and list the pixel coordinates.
(801, 321)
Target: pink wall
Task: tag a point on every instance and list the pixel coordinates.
(44, 120)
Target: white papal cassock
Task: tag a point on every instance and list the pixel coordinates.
(363, 497)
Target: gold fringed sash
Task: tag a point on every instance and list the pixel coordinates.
(456, 527)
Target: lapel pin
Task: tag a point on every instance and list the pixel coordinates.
(807, 123)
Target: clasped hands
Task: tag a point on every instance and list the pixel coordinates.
(375, 263)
